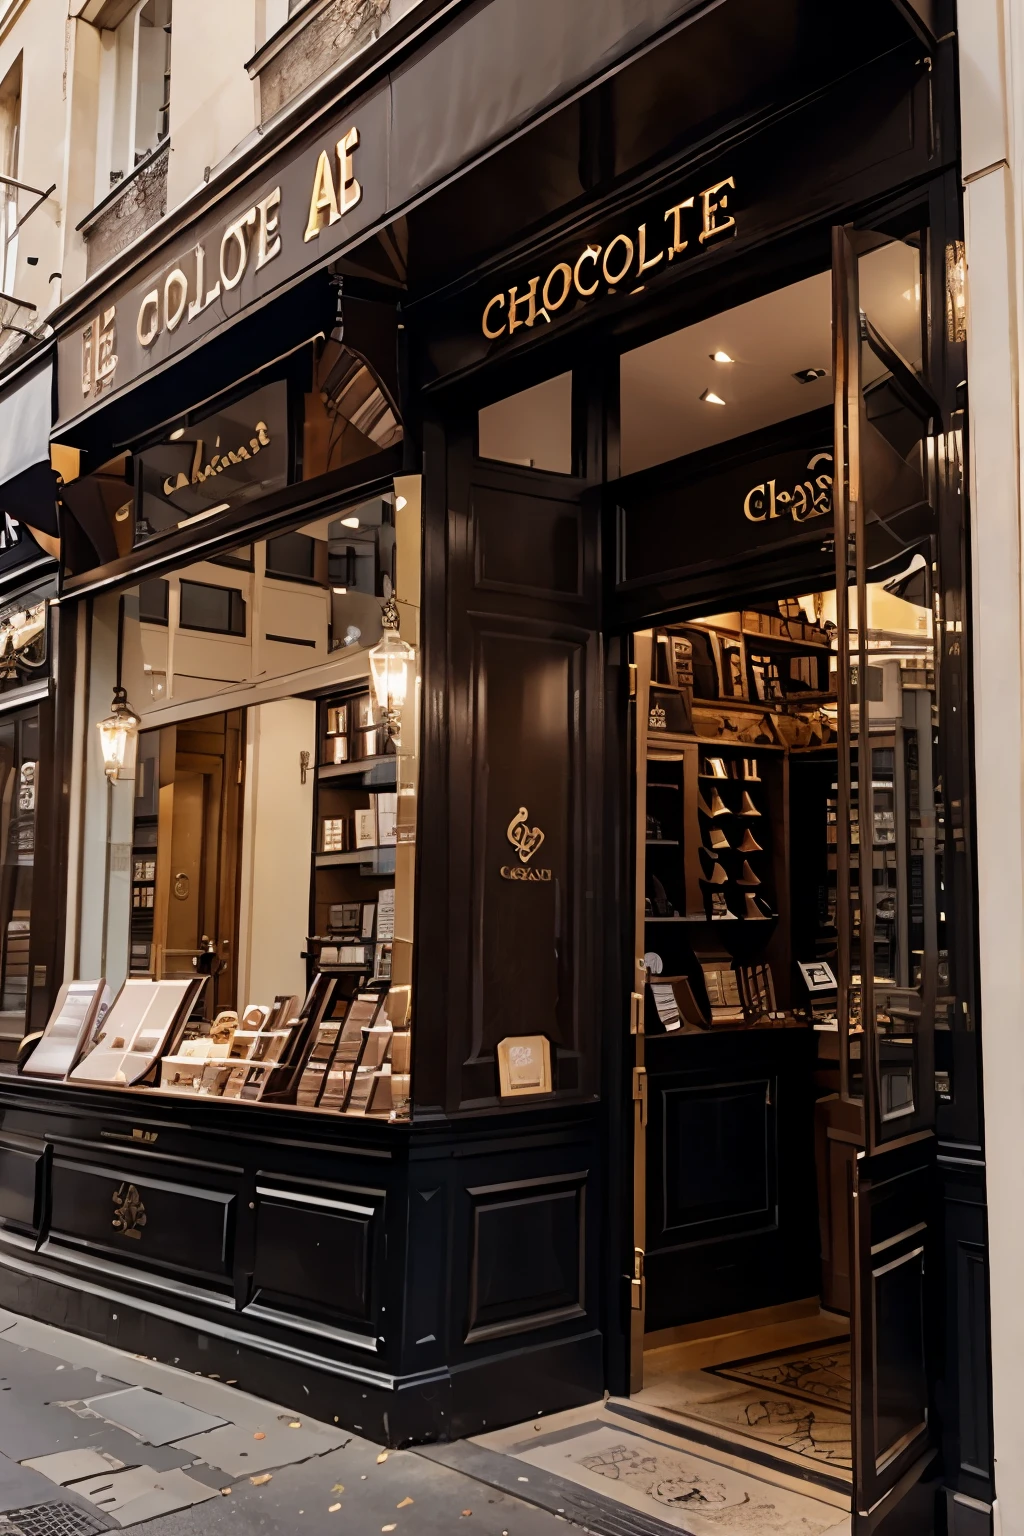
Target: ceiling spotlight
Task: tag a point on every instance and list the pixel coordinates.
(808, 375)
(340, 591)
(399, 503)
(350, 522)
(178, 432)
(710, 398)
(721, 357)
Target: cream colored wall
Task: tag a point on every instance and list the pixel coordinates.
(213, 101)
(276, 850)
(35, 29)
(991, 45)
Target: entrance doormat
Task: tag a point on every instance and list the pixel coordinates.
(818, 1373)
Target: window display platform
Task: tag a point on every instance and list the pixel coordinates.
(402, 1278)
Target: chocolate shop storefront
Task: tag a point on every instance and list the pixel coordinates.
(519, 926)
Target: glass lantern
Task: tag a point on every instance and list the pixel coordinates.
(119, 738)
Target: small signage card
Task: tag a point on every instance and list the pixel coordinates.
(524, 1065)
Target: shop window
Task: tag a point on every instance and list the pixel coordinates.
(10, 154)
(291, 556)
(749, 367)
(221, 610)
(270, 826)
(758, 364)
(153, 601)
(137, 62)
(19, 763)
(532, 428)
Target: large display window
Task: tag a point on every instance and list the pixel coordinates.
(247, 918)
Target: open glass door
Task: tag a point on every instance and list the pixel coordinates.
(892, 972)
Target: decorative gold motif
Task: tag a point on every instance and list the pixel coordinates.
(657, 720)
(129, 1211)
(523, 838)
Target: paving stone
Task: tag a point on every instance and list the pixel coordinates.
(142, 1493)
(234, 1450)
(152, 1416)
(71, 1466)
(94, 1432)
(202, 1392)
(30, 1429)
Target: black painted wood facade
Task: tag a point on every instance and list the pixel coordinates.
(471, 1268)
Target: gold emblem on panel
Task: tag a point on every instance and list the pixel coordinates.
(525, 840)
(129, 1211)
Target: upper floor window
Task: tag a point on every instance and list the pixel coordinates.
(10, 154)
(137, 65)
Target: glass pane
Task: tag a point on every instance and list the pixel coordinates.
(896, 958)
(19, 762)
(269, 836)
(747, 368)
(532, 428)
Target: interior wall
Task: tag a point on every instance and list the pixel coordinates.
(276, 849)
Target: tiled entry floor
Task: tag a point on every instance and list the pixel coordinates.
(794, 1403)
(672, 1480)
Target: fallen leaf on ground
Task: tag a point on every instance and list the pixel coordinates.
(404, 1504)
(466, 1512)
(225, 1490)
(382, 1457)
(333, 1508)
(261, 1477)
(338, 1488)
(259, 1435)
(387, 1527)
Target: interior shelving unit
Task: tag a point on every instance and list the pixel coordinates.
(354, 850)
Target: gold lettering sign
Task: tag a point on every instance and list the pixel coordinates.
(810, 498)
(99, 357)
(330, 200)
(624, 260)
(219, 462)
(199, 279)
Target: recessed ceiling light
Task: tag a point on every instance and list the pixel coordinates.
(340, 591)
(399, 503)
(808, 375)
(350, 522)
(178, 432)
(710, 398)
(721, 357)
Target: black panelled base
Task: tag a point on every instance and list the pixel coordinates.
(410, 1283)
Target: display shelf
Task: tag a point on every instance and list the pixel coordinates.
(368, 772)
(383, 859)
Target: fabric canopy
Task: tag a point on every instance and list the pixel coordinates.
(28, 486)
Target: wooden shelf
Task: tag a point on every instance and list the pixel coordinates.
(364, 772)
(382, 859)
(663, 842)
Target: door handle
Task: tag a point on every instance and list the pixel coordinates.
(640, 1093)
